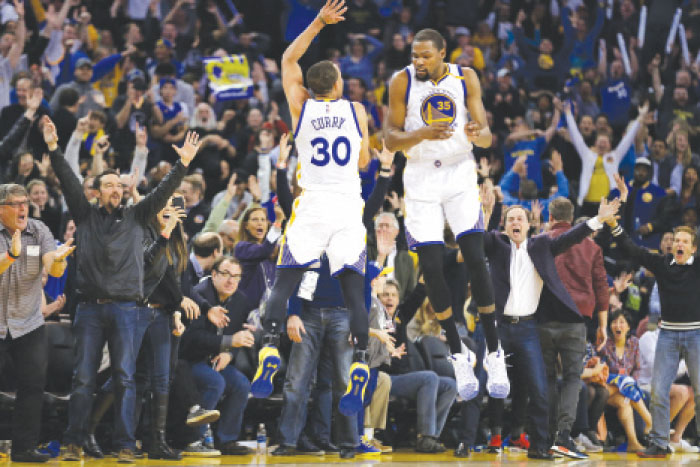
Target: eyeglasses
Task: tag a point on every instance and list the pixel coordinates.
(16, 204)
(228, 275)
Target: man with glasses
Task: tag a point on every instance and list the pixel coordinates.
(210, 344)
(28, 247)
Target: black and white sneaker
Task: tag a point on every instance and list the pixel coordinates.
(566, 447)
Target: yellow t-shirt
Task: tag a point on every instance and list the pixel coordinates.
(478, 57)
(600, 183)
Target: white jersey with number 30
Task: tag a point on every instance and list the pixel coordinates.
(443, 100)
(328, 140)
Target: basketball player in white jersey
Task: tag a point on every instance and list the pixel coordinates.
(436, 116)
(332, 141)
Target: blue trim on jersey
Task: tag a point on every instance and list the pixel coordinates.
(325, 100)
(301, 115)
(354, 116)
(297, 266)
(475, 230)
(464, 83)
(416, 245)
(408, 86)
(350, 267)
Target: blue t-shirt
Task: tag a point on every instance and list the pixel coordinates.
(615, 99)
(533, 149)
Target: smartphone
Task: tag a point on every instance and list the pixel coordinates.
(178, 202)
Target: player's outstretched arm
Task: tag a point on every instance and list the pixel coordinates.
(396, 138)
(364, 127)
(292, 77)
(478, 131)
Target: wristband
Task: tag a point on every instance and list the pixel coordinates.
(384, 170)
(281, 165)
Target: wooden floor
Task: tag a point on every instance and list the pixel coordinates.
(402, 458)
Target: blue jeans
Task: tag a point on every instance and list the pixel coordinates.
(433, 394)
(522, 341)
(327, 330)
(229, 386)
(153, 365)
(670, 348)
(118, 324)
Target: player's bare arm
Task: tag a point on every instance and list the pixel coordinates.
(396, 138)
(292, 77)
(362, 120)
(477, 130)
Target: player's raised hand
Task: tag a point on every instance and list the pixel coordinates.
(189, 148)
(437, 130)
(332, 12)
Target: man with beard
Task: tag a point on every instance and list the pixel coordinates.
(644, 196)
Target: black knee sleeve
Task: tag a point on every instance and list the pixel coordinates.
(353, 286)
(472, 248)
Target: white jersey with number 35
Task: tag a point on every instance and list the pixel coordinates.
(328, 140)
(443, 100)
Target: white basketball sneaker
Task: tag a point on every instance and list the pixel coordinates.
(497, 383)
(467, 382)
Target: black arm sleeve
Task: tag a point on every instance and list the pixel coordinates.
(78, 205)
(284, 194)
(375, 201)
(407, 310)
(36, 50)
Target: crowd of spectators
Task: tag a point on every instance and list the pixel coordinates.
(572, 116)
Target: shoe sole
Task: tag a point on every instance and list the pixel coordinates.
(200, 454)
(262, 386)
(353, 399)
(203, 419)
(467, 383)
(652, 456)
(568, 452)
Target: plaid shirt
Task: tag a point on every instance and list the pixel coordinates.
(20, 284)
(628, 364)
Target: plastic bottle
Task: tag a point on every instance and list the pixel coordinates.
(209, 438)
(262, 439)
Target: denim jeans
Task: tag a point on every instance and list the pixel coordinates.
(433, 394)
(327, 333)
(29, 354)
(118, 324)
(153, 364)
(670, 348)
(522, 341)
(227, 388)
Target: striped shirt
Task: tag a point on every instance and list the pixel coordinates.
(20, 284)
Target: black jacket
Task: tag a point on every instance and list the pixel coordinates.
(202, 341)
(110, 260)
(160, 284)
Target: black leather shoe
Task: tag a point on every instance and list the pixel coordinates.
(283, 450)
(92, 449)
(232, 448)
(327, 446)
(542, 454)
(347, 453)
(306, 446)
(462, 450)
(30, 455)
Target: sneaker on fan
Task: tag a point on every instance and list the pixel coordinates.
(522, 442)
(495, 444)
(497, 383)
(684, 446)
(585, 444)
(467, 382)
(566, 447)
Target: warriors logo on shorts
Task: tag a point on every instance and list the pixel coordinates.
(438, 108)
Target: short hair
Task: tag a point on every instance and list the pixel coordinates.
(98, 179)
(689, 230)
(387, 214)
(425, 35)
(517, 206)
(528, 189)
(68, 97)
(393, 283)
(196, 183)
(616, 314)
(35, 182)
(321, 77)
(11, 189)
(165, 69)
(98, 115)
(218, 261)
(204, 244)
(561, 209)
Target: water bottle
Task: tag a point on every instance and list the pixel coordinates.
(209, 438)
(262, 439)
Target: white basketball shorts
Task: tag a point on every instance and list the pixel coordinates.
(327, 222)
(436, 191)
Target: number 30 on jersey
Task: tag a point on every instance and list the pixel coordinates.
(339, 151)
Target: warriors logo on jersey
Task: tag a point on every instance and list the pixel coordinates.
(438, 108)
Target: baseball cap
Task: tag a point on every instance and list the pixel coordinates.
(165, 42)
(462, 31)
(165, 81)
(643, 161)
(83, 62)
